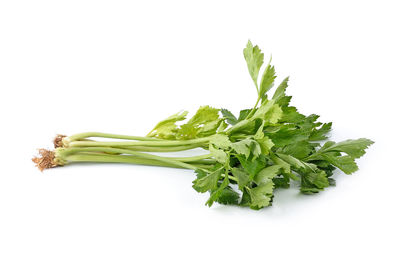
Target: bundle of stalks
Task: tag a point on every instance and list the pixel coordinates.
(128, 149)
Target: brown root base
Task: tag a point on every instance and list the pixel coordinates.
(58, 141)
(46, 161)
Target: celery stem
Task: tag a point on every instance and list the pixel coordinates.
(79, 136)
(158, 143)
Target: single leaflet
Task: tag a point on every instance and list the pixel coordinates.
(250, 155)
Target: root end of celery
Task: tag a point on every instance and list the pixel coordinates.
(46, 160)
(58, 141)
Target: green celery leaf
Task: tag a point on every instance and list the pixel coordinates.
(208, 182)
(216, 193)
(222, 127)
(246, 147)
(299, 150)
(252, 167)
(309, 172)
(320, 134)
(285, 167)
(281, 90)
(228, 196)
(313, 182)
(354, 148)
(332, 182)
(291, 115)
(318, 179)
(261, 195)
(288, 134)
(309, 190)
(255, 59)
(260, 131)
(200, 173)
(187, 131)
(219, 155)
(229, 117)
(345, 163)
(266, 144)
(294, 162)
(284, 101)
(267, 174)
(204, 114)
(204, 123)
(268, 111)
(281, 181)
(243, 147)
(246, 200)
(167, 128)
(243, 126)
(210, 128)
(243, 114)
(255, 149)
(221, 141)
(242, 176)
(274, 114)
(267, 80)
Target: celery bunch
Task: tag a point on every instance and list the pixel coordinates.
(249, 155)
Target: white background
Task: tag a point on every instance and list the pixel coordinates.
(121, 66)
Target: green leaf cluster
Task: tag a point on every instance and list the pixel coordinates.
(263, 148)
(204, 123)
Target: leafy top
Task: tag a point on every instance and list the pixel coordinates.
(262, 148)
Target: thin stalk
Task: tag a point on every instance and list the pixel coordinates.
(80, 136)
(159, 143)
(204, 161)
(254, 108)
(192, 158)
(97, 157)
(161, 149)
